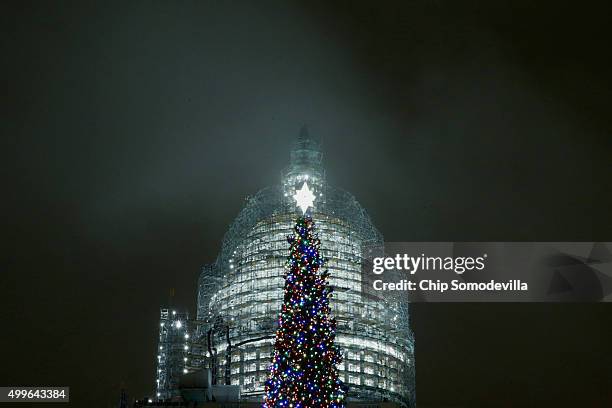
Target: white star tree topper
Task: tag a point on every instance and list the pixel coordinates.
(304, 197)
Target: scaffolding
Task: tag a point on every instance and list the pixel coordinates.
(173, 349)
(240, 295)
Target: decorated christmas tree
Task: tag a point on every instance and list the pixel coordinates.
(303, 373)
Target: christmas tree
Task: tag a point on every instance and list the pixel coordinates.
(303, 373)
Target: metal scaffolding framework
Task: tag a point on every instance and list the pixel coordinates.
(172, 351)
(240, 295)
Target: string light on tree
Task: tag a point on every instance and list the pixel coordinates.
(304, 372)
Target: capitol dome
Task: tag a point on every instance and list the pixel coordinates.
(240, 295)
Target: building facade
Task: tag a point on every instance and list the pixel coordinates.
(240, 295)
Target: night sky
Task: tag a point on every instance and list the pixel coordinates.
(133, 131)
